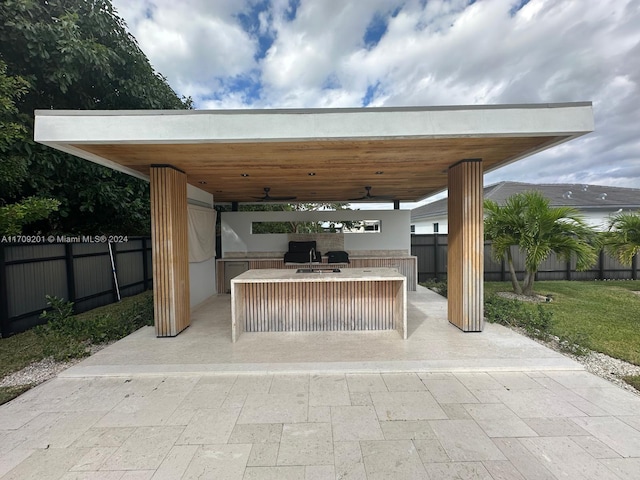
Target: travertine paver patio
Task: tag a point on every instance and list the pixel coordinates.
(484, 425)
(507, 408)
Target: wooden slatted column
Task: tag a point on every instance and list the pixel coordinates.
(170, 250)
(466, 246)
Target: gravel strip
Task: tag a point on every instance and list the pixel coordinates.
(599, 364)
(36, 373)
(609, 368)
(523, 298)
(43, 370)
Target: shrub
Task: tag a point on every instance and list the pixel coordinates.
(71, 336)
(59, 310)
(503, 310)
(440, 287)
(513, 313)
(574, 343)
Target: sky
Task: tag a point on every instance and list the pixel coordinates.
(230, 54)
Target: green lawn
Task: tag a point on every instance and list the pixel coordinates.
(16, 353)
(9, 393)
(19, 351)
(72, 336)
(605, 316)
(633, 381)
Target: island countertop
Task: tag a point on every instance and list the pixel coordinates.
(275, 275)
(281, 300)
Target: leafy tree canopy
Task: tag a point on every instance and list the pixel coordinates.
(13, 168)
(291, 226)
(74, 54)
(528, 222)
(77, 54)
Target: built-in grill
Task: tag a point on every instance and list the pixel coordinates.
(303, 252)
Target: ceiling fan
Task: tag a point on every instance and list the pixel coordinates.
(368, 196)
(268, 198)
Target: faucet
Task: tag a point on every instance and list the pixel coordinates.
(312, 254)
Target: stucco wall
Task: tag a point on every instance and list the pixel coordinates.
(426, 226)
(394, 234)
(202, 281)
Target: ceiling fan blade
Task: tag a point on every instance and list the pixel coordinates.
(369, 197)
(365, 196)
(382, 197)
(268, 198)
(374, 199)
(279, 198)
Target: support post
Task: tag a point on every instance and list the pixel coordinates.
(169, 250)
(4, 297)
(145, 266)
(465, 259)
(436, 256)
(71, 277)
(396, 204)
(601, 265)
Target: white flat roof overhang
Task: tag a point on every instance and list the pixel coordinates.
(313, 154)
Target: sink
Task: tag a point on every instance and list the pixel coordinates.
(318, 270)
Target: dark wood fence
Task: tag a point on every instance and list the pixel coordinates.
(431, 251)
(78, 272)
(81, 273)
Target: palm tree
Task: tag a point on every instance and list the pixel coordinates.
(623, 238)
(527, 221)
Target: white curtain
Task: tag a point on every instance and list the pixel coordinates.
(202, 233)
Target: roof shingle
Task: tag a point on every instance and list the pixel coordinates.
(581, 196)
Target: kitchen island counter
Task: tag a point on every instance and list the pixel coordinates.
(281, 300)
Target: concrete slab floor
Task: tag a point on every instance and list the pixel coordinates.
(433, 344)
(443, 404)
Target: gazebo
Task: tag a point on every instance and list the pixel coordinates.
(327, 155)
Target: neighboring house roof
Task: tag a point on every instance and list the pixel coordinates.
(583, 197)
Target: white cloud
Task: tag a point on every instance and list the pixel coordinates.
(440, 52)
(194, 43)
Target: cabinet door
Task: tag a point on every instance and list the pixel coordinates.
(232, 270)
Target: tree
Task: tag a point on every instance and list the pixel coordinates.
(528, 222)
(291, 226)
(623, 238)
(77, 54)
(13, 168)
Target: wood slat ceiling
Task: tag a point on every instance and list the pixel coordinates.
(412, 169)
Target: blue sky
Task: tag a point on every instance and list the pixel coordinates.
(229, 54)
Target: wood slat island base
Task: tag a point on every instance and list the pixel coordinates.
(276, 300)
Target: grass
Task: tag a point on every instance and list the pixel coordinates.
(16, 353)
(71, 337)
(19, 351)
(600, 316)
(9, 393)
(606, 315)
(634, 381)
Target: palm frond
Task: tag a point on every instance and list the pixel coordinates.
(623, 238)
(527, 220)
